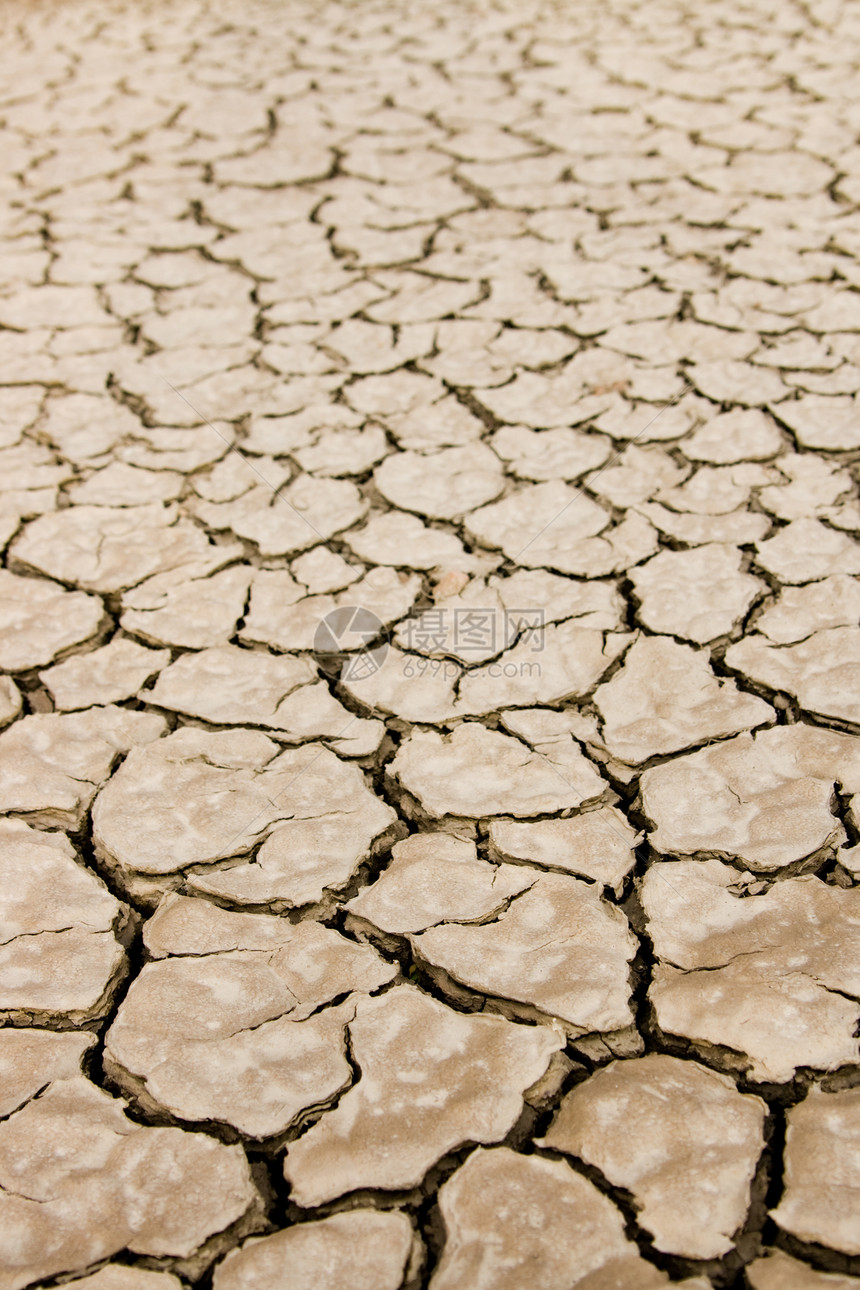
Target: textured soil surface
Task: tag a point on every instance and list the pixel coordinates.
(430, 645)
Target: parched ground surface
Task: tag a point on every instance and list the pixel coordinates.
(430, 765)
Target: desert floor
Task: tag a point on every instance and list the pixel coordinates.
(430, 766)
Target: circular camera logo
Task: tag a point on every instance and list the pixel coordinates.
(350, 643)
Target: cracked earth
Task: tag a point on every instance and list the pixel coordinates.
(509, 937)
